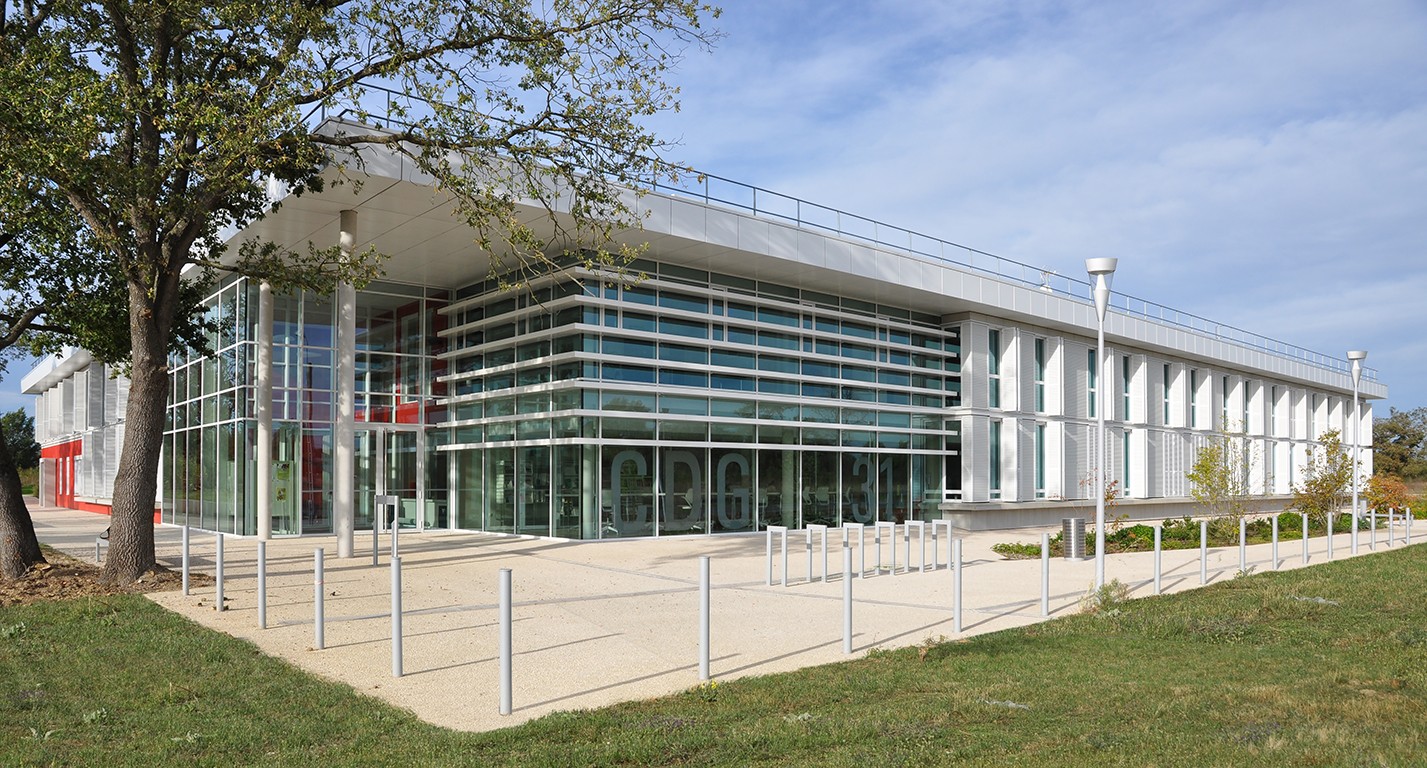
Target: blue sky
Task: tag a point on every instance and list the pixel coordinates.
(1260, 164)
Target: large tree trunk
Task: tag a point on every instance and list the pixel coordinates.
(131, 531)
(19, 549)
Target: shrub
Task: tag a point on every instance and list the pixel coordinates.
(1017, 550)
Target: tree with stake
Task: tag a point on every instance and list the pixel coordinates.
(1327, 474)
(159, 126)
(1219, 478)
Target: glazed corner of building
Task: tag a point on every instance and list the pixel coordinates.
(770, 371)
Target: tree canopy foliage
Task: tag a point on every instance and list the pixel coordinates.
(19, 430)
(1400, 443)
(151, 129)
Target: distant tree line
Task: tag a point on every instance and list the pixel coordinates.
(1400, 444)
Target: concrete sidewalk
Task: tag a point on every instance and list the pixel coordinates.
(602, 622)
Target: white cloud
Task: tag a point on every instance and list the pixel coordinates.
(1256, 163)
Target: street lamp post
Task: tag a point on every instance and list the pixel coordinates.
(1356, 357)
(1103, 272)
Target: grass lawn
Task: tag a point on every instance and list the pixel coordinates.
(1320, 666)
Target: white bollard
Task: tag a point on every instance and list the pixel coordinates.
(1203, 552)
(769, 550)
(1045, 575)
(185, 559)
(376, 532)
(824, 535)
(1275, 542)
(1305, 539)
(846, 597)
(956, 582)
(1243, 544)
(1372, 535)
(318, 618)
(703, 618)
(1354, 537)
(1330, 536)
(218, 572)
(784, 541)
(1158, 557)
(262, 584)
(505, 643)
(396, 617)
(809, 532)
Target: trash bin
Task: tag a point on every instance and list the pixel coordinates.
(1072, 534)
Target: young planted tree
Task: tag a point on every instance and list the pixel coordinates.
(1219, 477)
(1326, 479)
(158, 126)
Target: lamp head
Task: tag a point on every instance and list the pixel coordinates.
(1103, 270)
(1357, 356)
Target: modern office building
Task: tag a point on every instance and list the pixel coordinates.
(778, 363)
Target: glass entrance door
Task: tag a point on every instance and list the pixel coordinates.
(388, 462)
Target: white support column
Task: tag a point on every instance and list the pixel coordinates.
(263, 458)
(344, 430)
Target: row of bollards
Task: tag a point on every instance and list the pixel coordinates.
(955, 567)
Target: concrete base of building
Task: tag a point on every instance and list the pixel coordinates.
(996, 516)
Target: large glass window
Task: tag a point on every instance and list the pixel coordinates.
(732, 493)
(627, 496)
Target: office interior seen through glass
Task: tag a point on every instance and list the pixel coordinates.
(208, 473)
(689, 402)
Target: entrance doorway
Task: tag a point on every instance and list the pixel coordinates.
(389, 462)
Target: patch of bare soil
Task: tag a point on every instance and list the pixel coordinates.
(65, 578)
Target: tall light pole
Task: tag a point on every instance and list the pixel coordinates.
(1356, 357)
(1103, 272)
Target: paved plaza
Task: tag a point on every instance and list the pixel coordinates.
(596, 623)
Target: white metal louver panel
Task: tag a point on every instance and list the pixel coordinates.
(1023, 460)
(1154, 393)
(975, 454)
(973, 365)
(81, 400)
(1154, 463)
(111, 399)
(95, 394)
(66, 389)
(121, 386)
(1077, 381)
(1023, 377)
(1077, 457)
(1054, 375)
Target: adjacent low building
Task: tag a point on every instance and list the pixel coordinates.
(779, 363)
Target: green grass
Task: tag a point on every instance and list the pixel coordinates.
(1320, 666)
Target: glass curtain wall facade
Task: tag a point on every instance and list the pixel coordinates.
(208, 470)
(694, 402)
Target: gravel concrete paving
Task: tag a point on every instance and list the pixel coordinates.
(596, 623)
